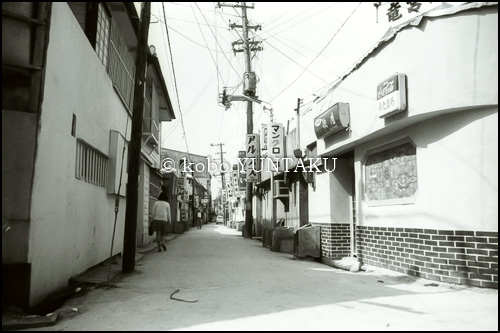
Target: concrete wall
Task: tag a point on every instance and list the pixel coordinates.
(451, 62)
(457, 161)
(451, 65)
(319, 199)
(72, 221)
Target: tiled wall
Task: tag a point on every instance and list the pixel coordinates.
(335, 240)
(455, 256)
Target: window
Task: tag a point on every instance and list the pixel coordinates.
(102, 35)
(110, 46)
(391, 173)
(91, 165)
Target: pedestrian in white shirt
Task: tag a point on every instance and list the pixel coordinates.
(161, 220)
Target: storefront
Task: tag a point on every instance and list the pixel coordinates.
(410, 183)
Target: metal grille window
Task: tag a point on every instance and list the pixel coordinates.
(392, 173)
(102, 36)
(91, 165)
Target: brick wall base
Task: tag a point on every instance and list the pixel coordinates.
(335, 240)
(454, 256)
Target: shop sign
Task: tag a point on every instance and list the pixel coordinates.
(241, 173)
(391, 95)
(331, 121)
(263, 141)
(276, 145)
(252, 154)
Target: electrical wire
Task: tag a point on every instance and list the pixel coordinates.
(316, 57)
(214, 36)
(295, 62)
(295, 24)
(175, 80)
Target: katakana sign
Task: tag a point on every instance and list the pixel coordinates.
(252, 154)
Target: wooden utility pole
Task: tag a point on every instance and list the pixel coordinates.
(249, 90)
(136, 141)
(247, 233)
(223, 182)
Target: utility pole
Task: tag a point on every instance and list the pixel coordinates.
(223, 182)
(193, 208)
(129, 244)
(249, 87)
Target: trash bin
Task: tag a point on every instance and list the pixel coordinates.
(283, 240)
(307, 242)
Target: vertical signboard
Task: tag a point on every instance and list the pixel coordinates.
(241, 173)
(252, 154)
(275, 144)
(263, 141)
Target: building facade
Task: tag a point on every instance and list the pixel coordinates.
(68, 78)
(411, 134)
(407, 177)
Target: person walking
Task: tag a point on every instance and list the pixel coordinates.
(199, 218)
(161, 220)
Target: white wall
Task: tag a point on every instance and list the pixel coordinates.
(319, 199)
(451, 62)
(451, 65)
(71, 220)
(457, 167)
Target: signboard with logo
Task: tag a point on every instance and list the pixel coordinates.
(252, 154)
(391, 95)
(331, 121)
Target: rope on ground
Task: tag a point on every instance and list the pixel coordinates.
(178, 299)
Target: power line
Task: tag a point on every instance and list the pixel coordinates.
(300, 53)
(204, 39)
(324, 48)
(171, 130)
(175, 80)
(214, 36)
(283, 15)
(207, 10)
(195, 42)
(295, 62)
(305, 19)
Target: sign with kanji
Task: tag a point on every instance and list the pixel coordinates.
(404, 11)
(332, 120)
(252, 154)
(391, 95)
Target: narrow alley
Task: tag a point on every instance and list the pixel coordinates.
(227, 282)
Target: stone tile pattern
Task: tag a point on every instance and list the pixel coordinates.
(453, 256)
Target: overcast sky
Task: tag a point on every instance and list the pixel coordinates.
(307, 46)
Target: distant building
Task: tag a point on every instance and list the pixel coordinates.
(181, 183)
(68, 80)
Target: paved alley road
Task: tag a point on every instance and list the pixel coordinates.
(240, 285)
